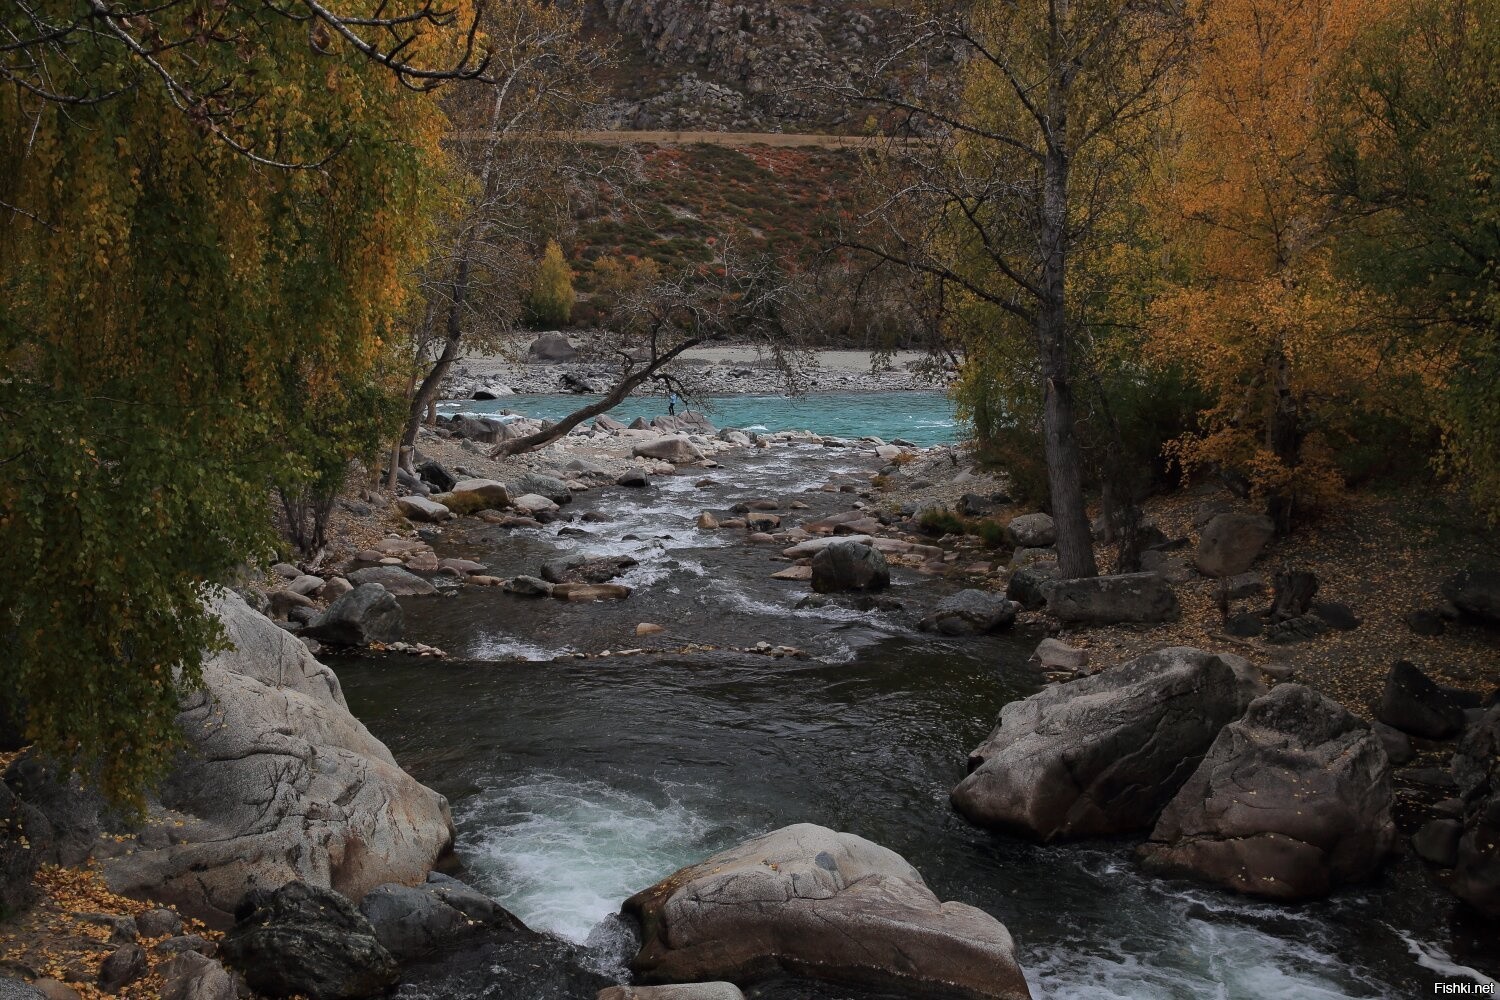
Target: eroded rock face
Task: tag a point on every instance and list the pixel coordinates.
(1104, 754)
(1103, 600)
(279, 783)
(1293, 800)
(814, 902)
(971, 612)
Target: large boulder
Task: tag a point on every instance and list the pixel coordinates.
(551, 487)
(674, 448)
(366, 614)
(971, 612)
(279, 782)
(586, 569)
(1413, 703)
(396, 580)
(848, 565)
(1230, 543)
(1105, 600)
(1476, 593)
(63, 814)
(411, 921)
(1104, 754)
(1293, 800)
(552, 348)
(304, 940)
(813, 902)
(415, 508)
(1476, 766)
(468, 496)
(1032, 531)
(1027, 585)
(191, 976)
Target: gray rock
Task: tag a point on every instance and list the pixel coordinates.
(160, 922)
(1292, 801)
(409, 921)
(684, 991)
(335, 588)
(471, 902)
(1436, 842)
(1476, 594)
(1413, 703)
(1230, 543)
(1104, 600)
(971, 612)
(1032, 531)
(415, 508)
(1103, 755)
(366, 614)
(552, 348)
(1243, 585)
(301, 939)
(849, 565)
(1476, 766)
(278, 782)
(396, 580)
(186, 942)
(191, 976)
(676, 449)
(1396, 743)
(813, 902)
(528, 586)
(1027, 585)
(1054, 654)
(122, 967)
(607, 424)
(62, 815)
(633, 479)
(433, 473)
(547, 486)
(15, 989)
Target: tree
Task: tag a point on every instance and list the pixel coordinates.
(1002, 198)
(658, 317)
(1412, 152)
(1288, 352)
(164, 287)
(549, 302)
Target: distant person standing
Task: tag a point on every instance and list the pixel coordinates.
(672, 404)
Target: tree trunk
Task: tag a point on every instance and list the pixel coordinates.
(1284, 437)
(426, 394)
(628, 384)
(1075, 543)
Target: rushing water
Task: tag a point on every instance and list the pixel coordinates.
(578, 782)
(923, 418)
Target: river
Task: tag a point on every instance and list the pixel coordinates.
(576, 782)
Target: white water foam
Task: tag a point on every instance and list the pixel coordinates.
(1430, 956)
(563, 853)
(503, 647)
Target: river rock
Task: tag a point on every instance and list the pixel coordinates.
(586, 569)
(971, 612)
(1230, 543)
(548, 486)
(191, 976)
(308, 941)
(590, 592)
(421, 509)
(849, 565)
(411, 921)
(334, 588)
(1027, 585)
(1436, 842)
(810, 901)
(1413, 703)
(528, 586)
(278, 782)
(813, 546)
(532, 504)
(632, 479)
(1104, 754)
(1054, 654)
(366, 614)
(395, 579)
(122, 967)
(607, 424)
(1104, 600)
(1032, 531)
(1476, 593)
(433, 473)
(684, 991)
(707, 522)
(1292, 801)
(675, 448)
(552, 348)
(1476, 766)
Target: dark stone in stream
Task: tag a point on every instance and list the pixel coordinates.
(971, 612)
(433, 473)
(309, 941)
(366, 614)
(586, 569)
(849, 566)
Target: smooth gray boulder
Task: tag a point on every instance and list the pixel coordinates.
(849, 565)
(1230, 543)
(1104, 754)
(366, 614)
(415, 508)
(1292, 801)
(1032, 531)
(410, 921)
(971, 612)
(278, 782)
(1027, 585)
(303, 940)
(552, 348)
(813, 902)
(551, 487)
(675, 448)
(1105, 600)
(191, 976)
(400, 582)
